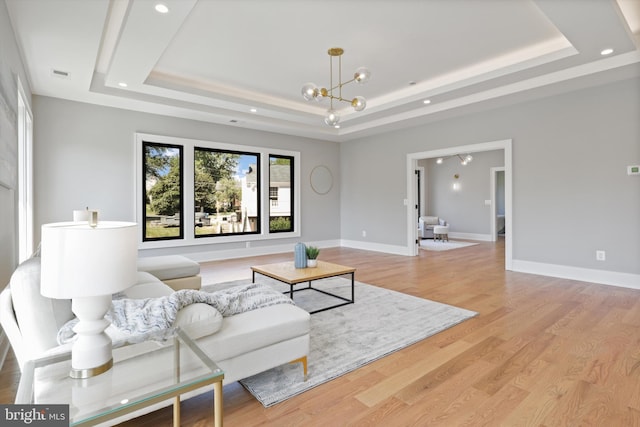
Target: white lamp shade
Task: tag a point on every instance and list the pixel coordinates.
(78, 260)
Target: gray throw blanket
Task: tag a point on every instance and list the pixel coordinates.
(142, 316)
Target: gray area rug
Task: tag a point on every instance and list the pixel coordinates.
(345, 338)
(431, 245)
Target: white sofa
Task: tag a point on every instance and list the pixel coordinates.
(174, 270)
(426, 224)
(242, 345)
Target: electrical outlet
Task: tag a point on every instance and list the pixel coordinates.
(601, 255)
(248, 245)
(364, 233)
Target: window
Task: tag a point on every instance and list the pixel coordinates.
(281, 174)
(226, 192)
(25, 177)
(162, 172)
(194, 192)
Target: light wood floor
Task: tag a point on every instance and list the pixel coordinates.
(542, 352)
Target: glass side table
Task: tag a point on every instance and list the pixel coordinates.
(146, 373)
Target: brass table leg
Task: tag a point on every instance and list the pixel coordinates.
(176, 411)
(217, 404)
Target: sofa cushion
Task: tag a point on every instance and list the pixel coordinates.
(199, 320)
(196, 319)
(245, 332)
(147, 286)
(169, 266)
(39, 317)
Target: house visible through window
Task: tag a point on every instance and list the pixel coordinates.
(226, 192)
(280, 193)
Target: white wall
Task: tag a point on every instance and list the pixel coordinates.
(84, 156)
(570, 153)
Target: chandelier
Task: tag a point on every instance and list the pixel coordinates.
(311, 91)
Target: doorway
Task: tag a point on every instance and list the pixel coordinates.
(498, 214)
(413, 207)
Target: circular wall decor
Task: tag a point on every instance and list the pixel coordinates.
(321, 179)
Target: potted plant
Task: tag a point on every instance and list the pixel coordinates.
(312, 255)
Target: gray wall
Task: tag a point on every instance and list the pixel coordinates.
(11, 68)
(464, 209)
(571, 193)
(84, 156)
(500, 195)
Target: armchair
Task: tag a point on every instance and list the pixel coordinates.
(426, 224)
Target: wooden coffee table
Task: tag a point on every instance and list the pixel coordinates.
(287, 273)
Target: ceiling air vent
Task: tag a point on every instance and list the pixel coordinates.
(59, 73)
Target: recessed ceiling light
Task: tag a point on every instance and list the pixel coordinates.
(254, 110)
(337, 126)
(122, 84)
(426, 101)
(606, 52)
(162, 8)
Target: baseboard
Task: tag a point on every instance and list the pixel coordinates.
(255, 251)
(603, 277)
(471, 236)
(376, 247)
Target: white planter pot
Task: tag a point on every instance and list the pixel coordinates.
(312, 263)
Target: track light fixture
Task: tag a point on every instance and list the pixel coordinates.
(311, 91)
(464, 160)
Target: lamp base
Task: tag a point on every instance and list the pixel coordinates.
(91, 353)
(91, 372)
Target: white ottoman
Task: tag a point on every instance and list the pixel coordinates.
(441, 232)
(177, 271)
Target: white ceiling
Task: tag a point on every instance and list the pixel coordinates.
(215, 60)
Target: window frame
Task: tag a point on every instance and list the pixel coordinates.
(258, 201)
(143, 223)
(25, 177)
(293, 214)
(188, 205)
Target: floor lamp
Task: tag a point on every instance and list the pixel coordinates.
(88, 262)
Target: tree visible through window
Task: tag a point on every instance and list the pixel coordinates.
(163, 191)
(280, 193)
(226, 192)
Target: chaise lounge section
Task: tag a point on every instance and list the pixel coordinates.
(242, 345)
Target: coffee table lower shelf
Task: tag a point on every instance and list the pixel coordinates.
(285, 272)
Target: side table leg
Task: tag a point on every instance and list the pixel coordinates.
(176, 411)
(217, 404)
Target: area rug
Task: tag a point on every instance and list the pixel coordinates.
(343, 339)
(431, 245)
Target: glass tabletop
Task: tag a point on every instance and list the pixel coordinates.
(162, 366)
